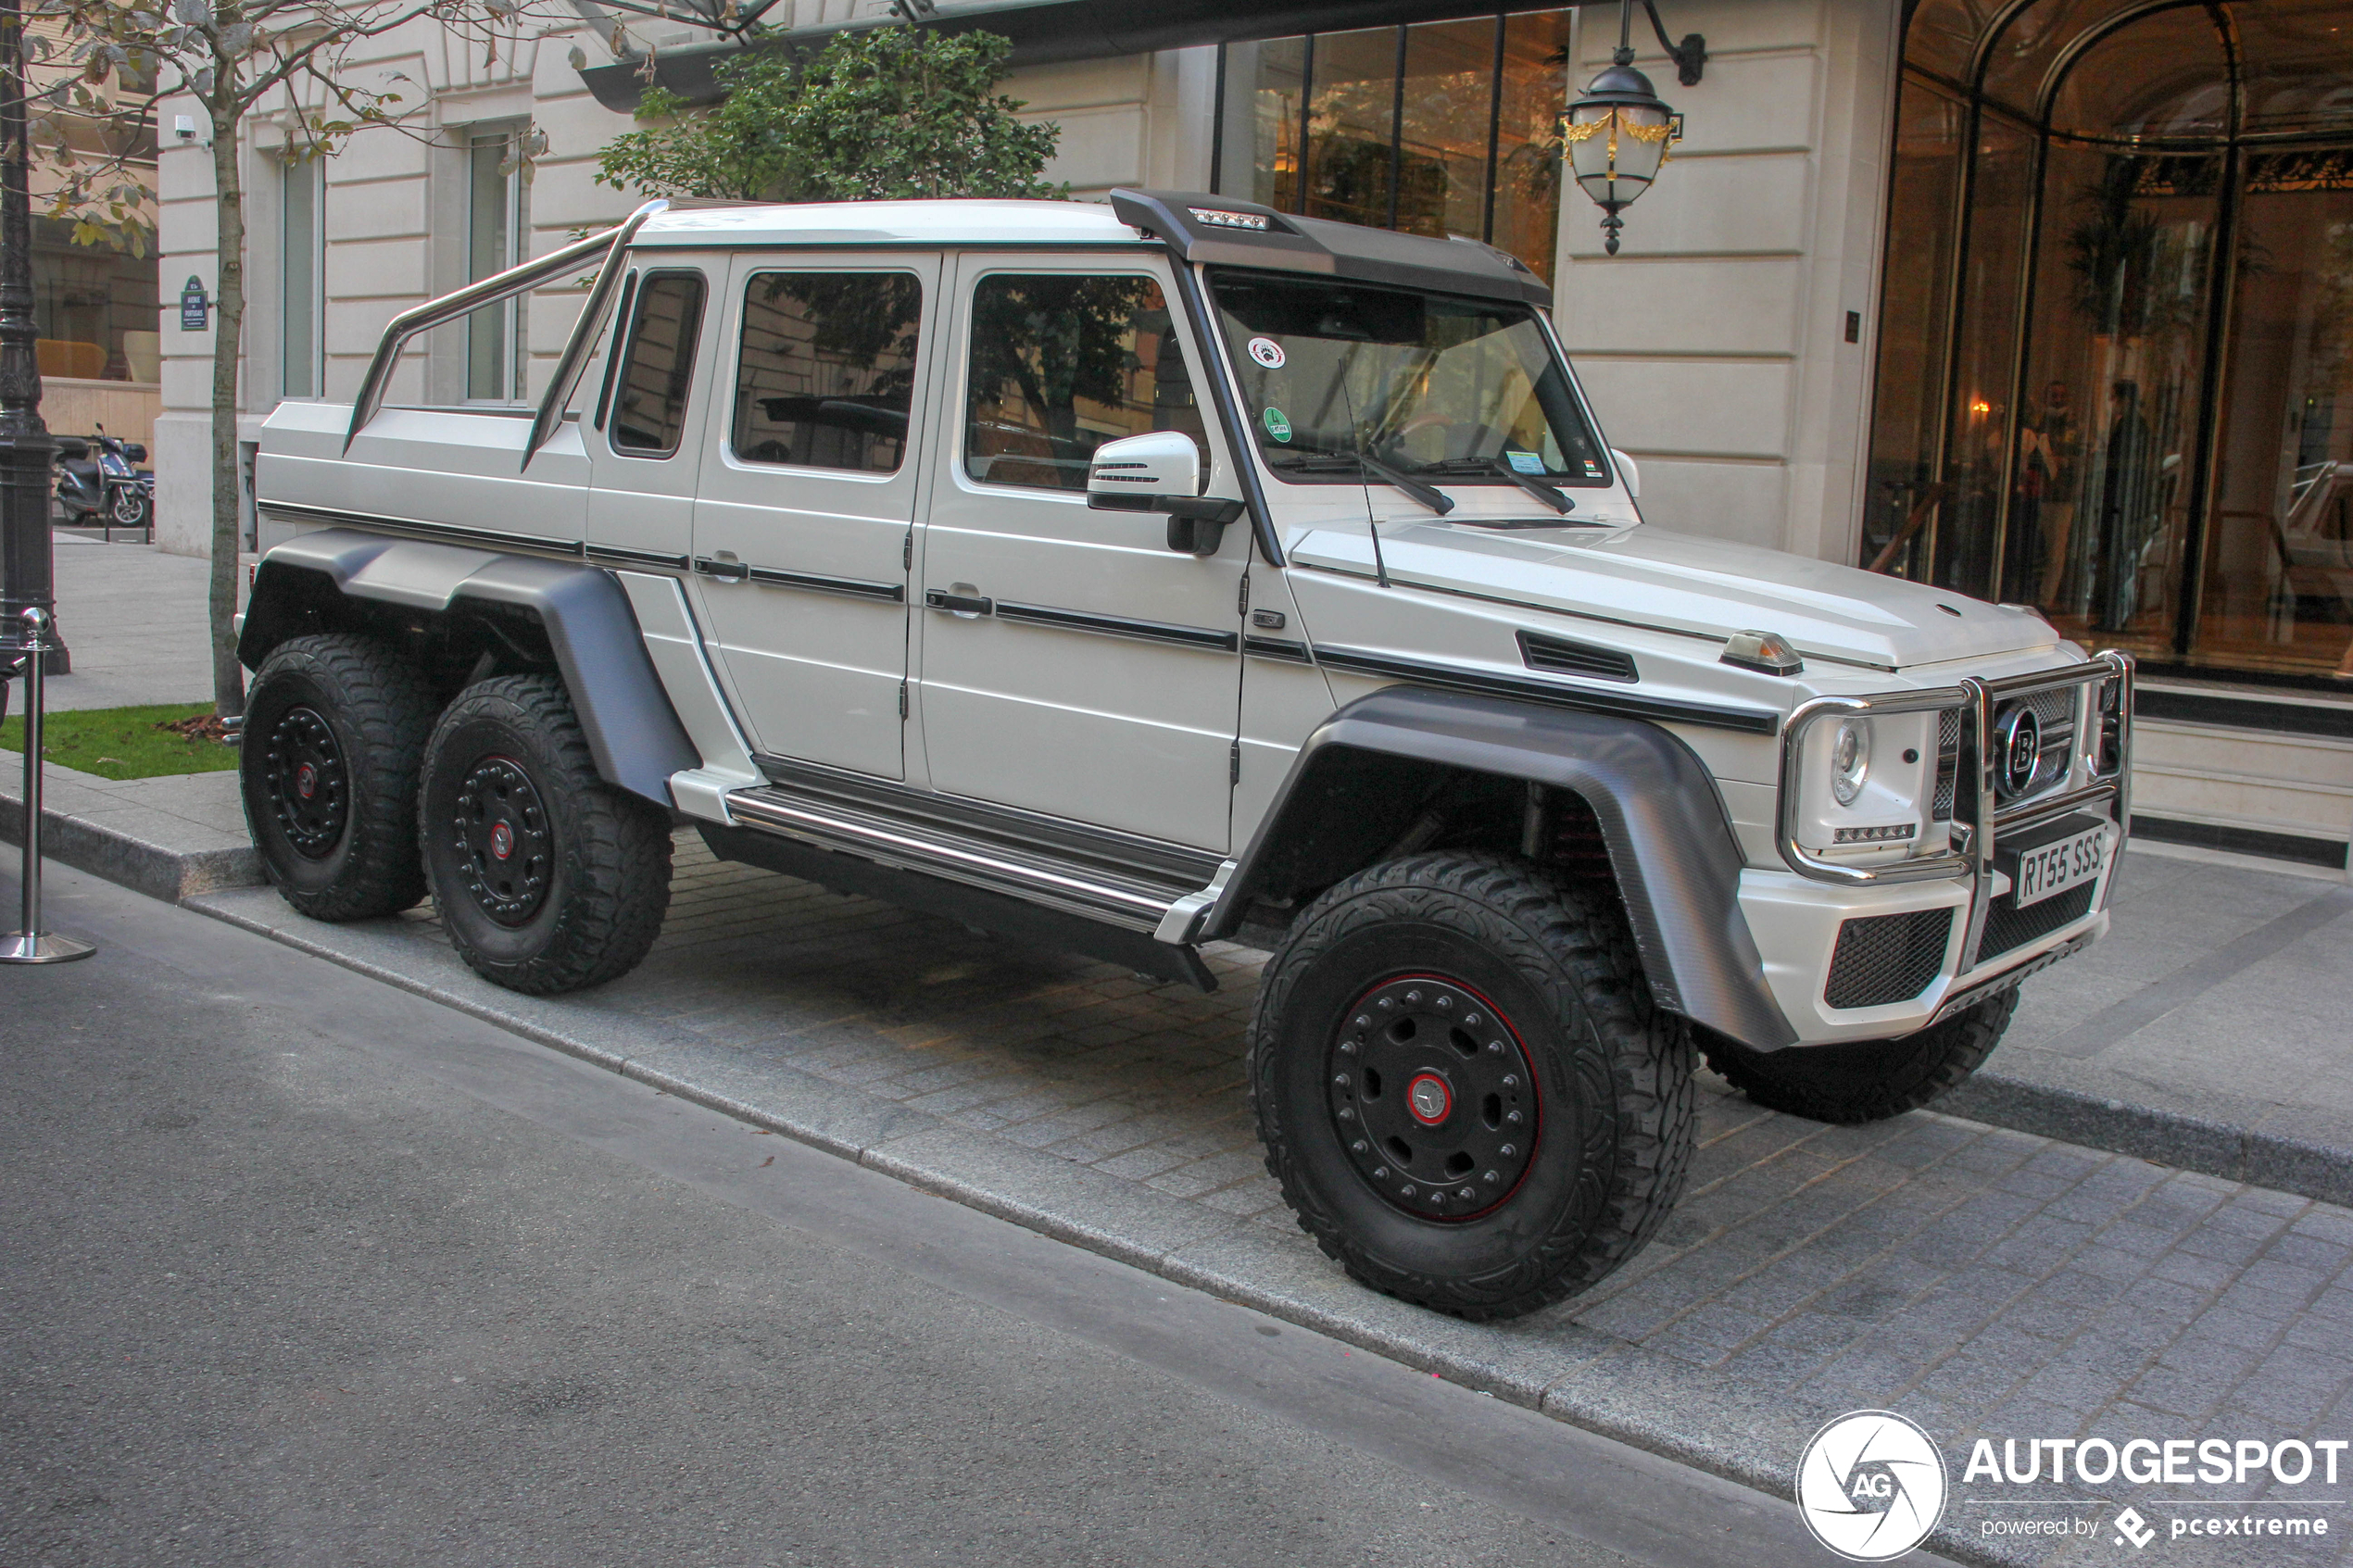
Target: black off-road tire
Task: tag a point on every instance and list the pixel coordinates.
(580, 894)
(339, 841)
(1611, 1105)
(1867, 1080)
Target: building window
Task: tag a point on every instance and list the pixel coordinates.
(496, 239)
(302, 205)
(1440, 128)
(2118, 327)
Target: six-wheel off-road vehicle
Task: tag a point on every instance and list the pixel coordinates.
(1128, 577)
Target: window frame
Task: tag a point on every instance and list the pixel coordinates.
(1188, 344)
(626, 345)
(909, 449)
(512, 315)
(311, 307)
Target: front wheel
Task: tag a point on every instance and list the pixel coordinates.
(129, 508)
(1866, 1080)
(1462, 1087)
(547, 878)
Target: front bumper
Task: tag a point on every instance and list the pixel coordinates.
(1961, 898)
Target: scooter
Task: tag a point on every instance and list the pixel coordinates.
(99, 485)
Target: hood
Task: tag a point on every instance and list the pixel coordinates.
(1646, 576)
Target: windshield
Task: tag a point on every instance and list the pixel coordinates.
(1440, 386)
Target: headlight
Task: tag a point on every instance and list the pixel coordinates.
(1865, 784)
(1850, 759)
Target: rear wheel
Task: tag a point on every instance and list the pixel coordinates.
(1866, 1080)
(1462, 1087)
(335, 734)
(547, 878)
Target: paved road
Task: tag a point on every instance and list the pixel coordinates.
(302, 1269)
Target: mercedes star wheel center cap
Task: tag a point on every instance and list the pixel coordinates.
(1428, 1098)
(306, 781)
(502, 840)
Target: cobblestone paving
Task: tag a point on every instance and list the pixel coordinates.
(1977, 1280)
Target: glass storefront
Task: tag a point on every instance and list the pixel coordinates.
(1438, 128)
(2116, 366)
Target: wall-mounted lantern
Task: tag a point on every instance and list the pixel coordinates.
(1617, 134)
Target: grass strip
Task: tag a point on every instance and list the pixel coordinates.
(123, 743)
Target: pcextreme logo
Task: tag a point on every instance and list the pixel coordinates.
(1870, 1486)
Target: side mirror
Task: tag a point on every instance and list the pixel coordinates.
(1160, 471)
(1633, 474)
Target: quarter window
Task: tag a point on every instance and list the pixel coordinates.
(651, 412)
(1063, 362)
(826, 375)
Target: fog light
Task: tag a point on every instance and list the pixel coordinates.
(1894, 832)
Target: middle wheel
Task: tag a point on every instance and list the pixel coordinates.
(547, 878)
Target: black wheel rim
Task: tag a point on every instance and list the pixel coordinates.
(1433, 1098)
(310, 791)
(502, 840)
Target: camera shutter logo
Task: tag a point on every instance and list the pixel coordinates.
(1870, 1486)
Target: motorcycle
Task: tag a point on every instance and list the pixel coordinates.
(100, 485)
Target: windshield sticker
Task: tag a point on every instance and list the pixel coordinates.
(1593, 469)
(1267, 352)
(1277, 425)
(1524, 462)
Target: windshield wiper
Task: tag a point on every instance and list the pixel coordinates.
(1549, 494)
(1429, 495)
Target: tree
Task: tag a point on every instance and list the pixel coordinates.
(888, 113)
(232, 56)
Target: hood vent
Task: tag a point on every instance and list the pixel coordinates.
(1558, 655)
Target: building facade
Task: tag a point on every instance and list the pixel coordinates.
(2049, 301)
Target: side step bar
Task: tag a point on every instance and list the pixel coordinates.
(1138, 920)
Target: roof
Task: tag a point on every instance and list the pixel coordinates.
(843, 225)
(1199, 226)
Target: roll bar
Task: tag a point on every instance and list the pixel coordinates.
(608, 246)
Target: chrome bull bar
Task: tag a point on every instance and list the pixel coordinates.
(1973, 842)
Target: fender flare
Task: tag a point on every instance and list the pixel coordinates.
(633, 732)
(1670, 840)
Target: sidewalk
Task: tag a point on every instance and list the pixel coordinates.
(135, 623)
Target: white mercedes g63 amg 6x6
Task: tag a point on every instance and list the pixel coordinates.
(1123, 578)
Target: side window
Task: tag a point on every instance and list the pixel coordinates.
(651, 403)
(1063, 362)
(826, 375)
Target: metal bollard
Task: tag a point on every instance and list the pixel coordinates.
(31, 944)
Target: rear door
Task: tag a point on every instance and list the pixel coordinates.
(1072, 663)
(804, 515)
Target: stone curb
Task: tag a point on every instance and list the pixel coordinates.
(135, 853)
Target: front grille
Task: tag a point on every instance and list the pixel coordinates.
(2054, 711)
(1948, 763)
(2007, 926)
(1883, 959)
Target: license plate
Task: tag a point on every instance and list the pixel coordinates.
(2051, 869)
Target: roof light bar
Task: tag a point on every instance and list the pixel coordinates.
(1219, 217)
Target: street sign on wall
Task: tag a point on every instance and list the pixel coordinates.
(196, 310)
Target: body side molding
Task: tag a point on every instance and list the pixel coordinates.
(632, 730)
(1670, 843)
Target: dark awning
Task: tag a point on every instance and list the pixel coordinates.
(1044, 32)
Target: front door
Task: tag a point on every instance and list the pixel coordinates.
(804, 518)
(1099, 679)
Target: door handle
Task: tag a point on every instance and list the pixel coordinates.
(958, 604)
(724, 570)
